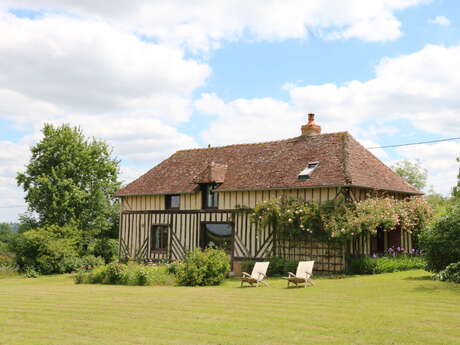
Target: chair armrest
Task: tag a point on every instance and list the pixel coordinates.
(291, 274)
(244, 274)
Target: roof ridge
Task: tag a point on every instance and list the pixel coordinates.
(261, 142)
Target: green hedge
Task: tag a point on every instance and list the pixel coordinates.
(125, 274)
(385, 264)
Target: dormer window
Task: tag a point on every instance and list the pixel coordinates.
(210, 199)
(306, 173)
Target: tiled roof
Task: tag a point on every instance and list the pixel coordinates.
(272, 165)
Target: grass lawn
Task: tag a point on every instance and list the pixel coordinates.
(395, 308)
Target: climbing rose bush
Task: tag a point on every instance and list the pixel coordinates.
(291, 218)
(388, 214)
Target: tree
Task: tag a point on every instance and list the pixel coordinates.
(71, 180)
(456, 189)
(412, 172)
(439, 203)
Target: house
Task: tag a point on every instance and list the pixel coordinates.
(189, 199)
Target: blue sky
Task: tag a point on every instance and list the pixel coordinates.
(151, 78)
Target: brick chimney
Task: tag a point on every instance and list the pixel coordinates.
(311, 128)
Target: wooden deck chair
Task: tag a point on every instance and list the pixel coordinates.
(303, 274)
(258, 275)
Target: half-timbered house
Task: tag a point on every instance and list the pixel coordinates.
(189, 200)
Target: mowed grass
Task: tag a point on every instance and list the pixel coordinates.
(395, 308)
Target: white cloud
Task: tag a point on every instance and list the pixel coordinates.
(68, 65)
(248, 120)
(12, 159)
(440, 161)
(202, 25)
(440, 20)
(421, 87)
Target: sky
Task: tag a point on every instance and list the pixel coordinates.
(153, 77)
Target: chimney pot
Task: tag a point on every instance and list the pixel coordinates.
(311, 128)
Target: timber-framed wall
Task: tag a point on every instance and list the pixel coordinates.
(140, 213)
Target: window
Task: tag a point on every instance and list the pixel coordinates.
(306, 173)
(218, 235)
(172, 202)
(210, 199)
(159, 238)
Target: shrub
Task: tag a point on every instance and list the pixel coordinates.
(115, 273)
(51, 249)
(172, 267)
(7, 258)
(385, 264)
(90, 261)
(451, 273)
(247, 266)
(106, 248)
(361, 265)
(121, 274)
(388, 264)
(30, 272)
(440, 242)
(203, 268)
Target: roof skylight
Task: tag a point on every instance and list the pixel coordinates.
(306, 173)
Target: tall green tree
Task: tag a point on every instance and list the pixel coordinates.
(412, 172)
(71, 179)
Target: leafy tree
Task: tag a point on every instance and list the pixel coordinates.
(5, 232)
(71, 180)
(412, 172)
(439, 203)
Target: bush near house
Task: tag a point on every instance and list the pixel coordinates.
(441, 241)
(203, 268)
(125, 274)
(384, 264)
(50, 249)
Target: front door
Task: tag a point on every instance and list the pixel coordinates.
(217, 235)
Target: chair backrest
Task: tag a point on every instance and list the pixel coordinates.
(304, 269)
(260, 270)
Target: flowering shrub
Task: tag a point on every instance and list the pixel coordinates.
(385, 213)
(292, 218)
(451, 273)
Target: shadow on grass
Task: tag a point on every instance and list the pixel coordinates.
(427, 277)
(445, 286)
